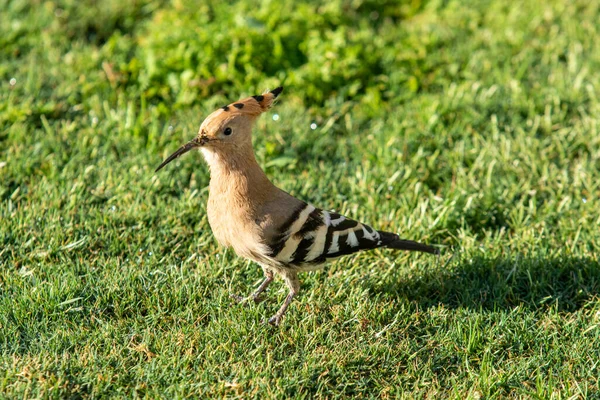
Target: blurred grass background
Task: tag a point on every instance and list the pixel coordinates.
(469, 124)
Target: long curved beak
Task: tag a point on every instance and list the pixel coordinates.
(192, 144)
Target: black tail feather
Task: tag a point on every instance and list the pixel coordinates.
(392, 241)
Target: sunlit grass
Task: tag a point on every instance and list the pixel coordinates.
(471, 126)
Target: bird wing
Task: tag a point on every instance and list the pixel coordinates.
(311, 235)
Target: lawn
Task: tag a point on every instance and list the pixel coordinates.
(473, 125)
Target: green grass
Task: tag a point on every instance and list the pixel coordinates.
(473, 125)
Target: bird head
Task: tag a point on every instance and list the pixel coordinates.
(229, 127)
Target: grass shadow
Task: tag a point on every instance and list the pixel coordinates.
(566, 282)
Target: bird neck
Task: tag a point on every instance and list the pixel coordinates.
(238, 174)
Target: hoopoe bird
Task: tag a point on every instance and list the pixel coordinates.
(263, 223)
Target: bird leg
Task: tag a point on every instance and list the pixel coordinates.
(265, 283)
(291, 279)
(256, 295)
(276, 319)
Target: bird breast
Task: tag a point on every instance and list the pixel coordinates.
(231, 218)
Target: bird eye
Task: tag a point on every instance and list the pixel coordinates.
(227, 131)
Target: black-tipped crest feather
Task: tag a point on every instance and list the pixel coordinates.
(277, 91)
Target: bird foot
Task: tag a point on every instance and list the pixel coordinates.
(244, 300)
(237, 298)
(275, 320)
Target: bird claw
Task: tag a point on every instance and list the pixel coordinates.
(244, 300)
(237, 298)
(275, 320)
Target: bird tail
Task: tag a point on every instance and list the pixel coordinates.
(392, 241)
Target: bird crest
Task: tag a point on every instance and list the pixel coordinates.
(254, 105)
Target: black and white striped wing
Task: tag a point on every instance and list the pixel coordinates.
(311, 235)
